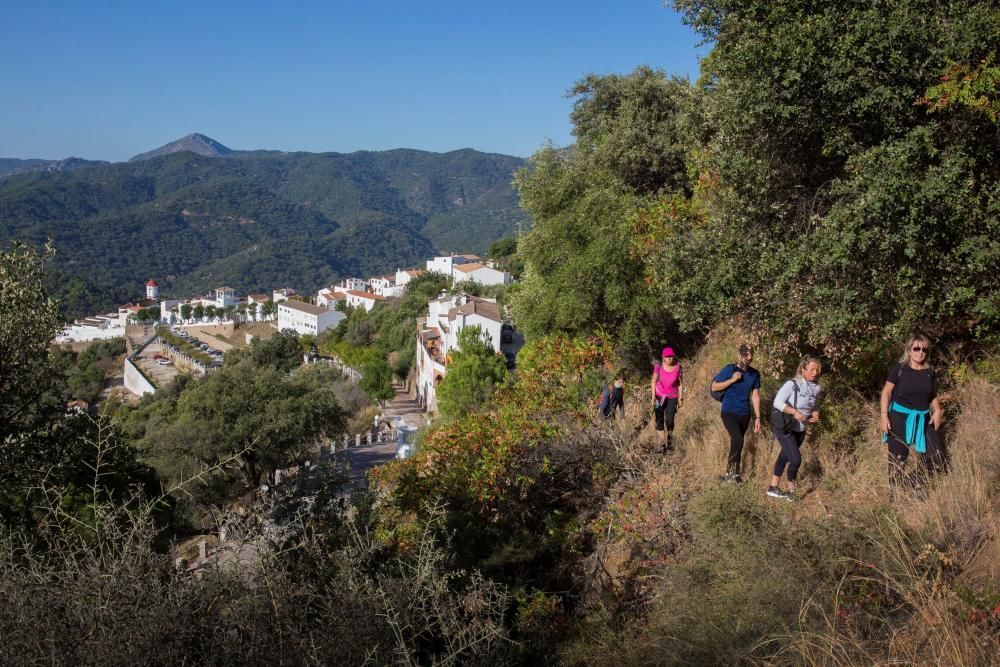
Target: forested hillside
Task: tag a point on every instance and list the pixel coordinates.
(255, 220)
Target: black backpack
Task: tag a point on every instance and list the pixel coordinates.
(783, 423)
(717, 395)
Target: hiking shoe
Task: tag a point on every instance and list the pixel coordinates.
(732, 477)
(775, 492)
(790, 495)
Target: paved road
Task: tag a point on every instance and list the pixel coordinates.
(364, 458)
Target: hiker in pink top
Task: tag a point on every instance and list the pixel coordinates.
(668, 395)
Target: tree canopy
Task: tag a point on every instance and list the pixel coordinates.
(473, 374)
(243, 420)
(811, 188)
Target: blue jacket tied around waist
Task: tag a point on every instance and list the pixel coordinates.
(915, 425)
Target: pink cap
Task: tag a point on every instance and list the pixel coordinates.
(668, 352)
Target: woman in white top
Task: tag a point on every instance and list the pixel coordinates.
(799, 398)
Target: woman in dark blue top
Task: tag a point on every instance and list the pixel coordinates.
(740, 384)
(911, 412)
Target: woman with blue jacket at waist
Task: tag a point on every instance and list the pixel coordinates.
(911, 412)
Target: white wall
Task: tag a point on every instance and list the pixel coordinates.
(307, 323)
(135, 382)
(77, 333)
(427, 371)
(484, 276)
(358, 301)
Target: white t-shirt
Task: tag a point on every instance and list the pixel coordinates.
(806, 399)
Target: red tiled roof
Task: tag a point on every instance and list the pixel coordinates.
(469, 267)
(484, 309)
(303, 307)
(366, 295)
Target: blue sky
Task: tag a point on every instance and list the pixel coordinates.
(109, 79)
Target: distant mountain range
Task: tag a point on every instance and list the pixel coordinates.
(194, 215)
(13, 166)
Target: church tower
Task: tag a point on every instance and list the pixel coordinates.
(152, 290)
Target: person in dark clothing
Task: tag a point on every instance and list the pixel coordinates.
(613, 398)
(911, 411)
(740, 384)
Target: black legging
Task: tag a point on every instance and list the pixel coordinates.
(899, 451)
(737, 426)
(665, 414)
(790, 455)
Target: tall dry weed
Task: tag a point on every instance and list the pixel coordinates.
(887, 579)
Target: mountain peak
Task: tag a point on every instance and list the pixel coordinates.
(194, 143)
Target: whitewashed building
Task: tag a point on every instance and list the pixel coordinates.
(437, 336)
(255, 305)
(356, 284)
(479, 273)
(329, 297)
(384, 285)
(405, 276)
(446, 263)
(282, 294)
(223, 297)
(168, 310)
(365, 300)
(97, 327)
(305, 318)
(461, 268)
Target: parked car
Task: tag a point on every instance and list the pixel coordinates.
(158, 357)
(164, 362)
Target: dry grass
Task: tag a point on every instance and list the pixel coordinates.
(932, 564)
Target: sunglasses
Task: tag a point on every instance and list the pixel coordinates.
(920, 349)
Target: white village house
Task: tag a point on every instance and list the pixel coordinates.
(282, 294)
(461, 268)
(366, 300)
(305, 318)
(384, 285)
(404, 276)
(479, 273)
(356, 284)
(329, 297)
(223, 297)
(437, 336)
